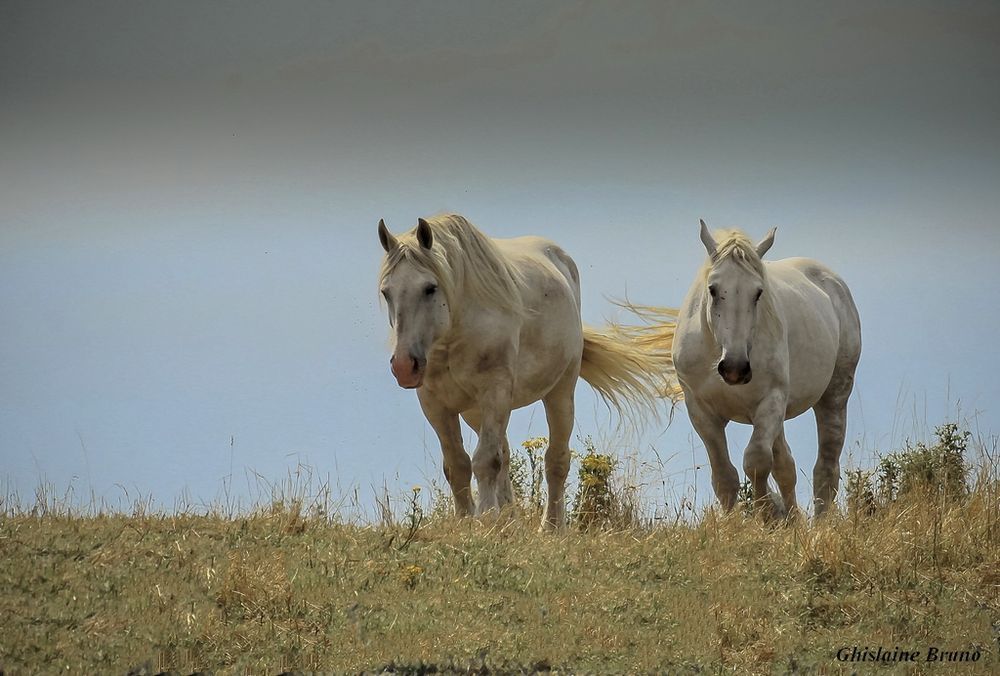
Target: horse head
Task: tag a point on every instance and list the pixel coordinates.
(418, 309)
(734, 287)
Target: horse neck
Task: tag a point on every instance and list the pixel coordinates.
(462, 307)
(770, 326)
(458, 302)
(467, 303)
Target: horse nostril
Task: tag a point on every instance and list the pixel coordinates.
(416, 364)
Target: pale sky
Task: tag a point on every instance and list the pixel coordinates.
(189, 195)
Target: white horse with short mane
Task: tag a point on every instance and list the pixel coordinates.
(760, 343)
(482, 326)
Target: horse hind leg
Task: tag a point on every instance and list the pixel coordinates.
(831, 428)
(559, 411)
(831, 410)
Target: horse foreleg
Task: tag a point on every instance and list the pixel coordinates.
(457, 466)
(758, 458)
(505, 490)
(712, 430)
(784, 473)
(490, 461)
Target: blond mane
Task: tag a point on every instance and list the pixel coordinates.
(735, 245)
(467, 264)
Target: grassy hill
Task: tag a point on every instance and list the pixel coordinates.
(910, 569)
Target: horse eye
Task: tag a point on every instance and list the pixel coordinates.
(385, 294)
(712, 291)
(757, 297)
(430, 289)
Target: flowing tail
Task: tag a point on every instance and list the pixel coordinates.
(632, 367)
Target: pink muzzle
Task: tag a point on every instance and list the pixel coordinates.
(407, 372)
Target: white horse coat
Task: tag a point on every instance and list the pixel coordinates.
(759, 343)
(482, 326)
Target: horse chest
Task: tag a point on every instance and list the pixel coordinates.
(449, 383)
(736, 403)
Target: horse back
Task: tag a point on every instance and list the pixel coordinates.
(543, 263)
(550, 338)
(827, 299)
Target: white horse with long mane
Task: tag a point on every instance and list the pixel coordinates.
(482, 326)
(760, 343)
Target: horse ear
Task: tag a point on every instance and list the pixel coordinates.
(707, 239)
(424, 234)
(766, 243)
(385, 237)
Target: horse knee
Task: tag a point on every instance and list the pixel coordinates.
(487, 465)
(757, 463)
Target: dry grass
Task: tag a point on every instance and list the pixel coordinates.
(289, 589)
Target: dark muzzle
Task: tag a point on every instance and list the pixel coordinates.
(735, 372)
